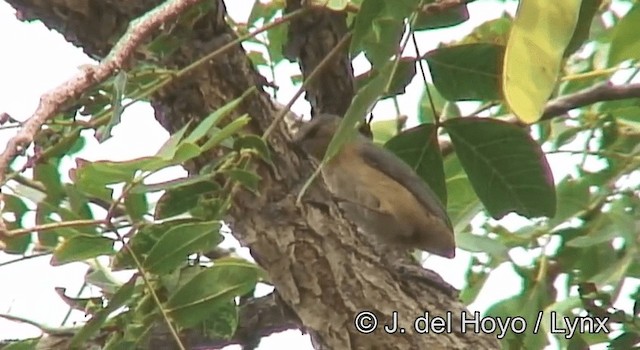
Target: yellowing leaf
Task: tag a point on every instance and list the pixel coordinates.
(539, 36)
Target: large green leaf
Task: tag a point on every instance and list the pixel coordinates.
(180, 241)
(624, 43)
(208, 290)
(419, 148)
(534, 54)
(505, 165)
(467, 72)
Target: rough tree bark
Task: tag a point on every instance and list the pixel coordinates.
(323, 270)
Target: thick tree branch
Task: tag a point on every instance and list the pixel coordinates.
(560, 106)
(598, 93)
(310, 38)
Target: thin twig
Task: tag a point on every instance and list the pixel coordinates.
(52, 226)
(316, 71)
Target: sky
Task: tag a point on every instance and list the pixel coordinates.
(35, 60)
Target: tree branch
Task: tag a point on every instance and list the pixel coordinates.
(598, 93)
(562, 105)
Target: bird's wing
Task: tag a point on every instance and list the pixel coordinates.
(394, 167)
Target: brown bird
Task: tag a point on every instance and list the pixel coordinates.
(378, 191)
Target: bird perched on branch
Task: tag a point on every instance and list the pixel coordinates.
(378, 191)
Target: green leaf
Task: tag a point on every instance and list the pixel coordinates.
(203, 294)
(183, 197)
(49, 176)
(573, 197)
(476, 279)
(168, 149)
(15, 244)
(223, 322)
(482, 244)
(136, 205)
(419, 148)
(119, 86)
(142, 242)
(205, 127)
(79, 205)
(255, 143)
(534, 54)
(278, 38)
(81, 247)
(215, 137)
(378, 28)
(599, 230)
(495, 31)
(404, 74)
(362, 103)
(68, 144)
(467, 72)
(624, 43)
(264, 11)
(202, 179)
(425, 110)
(450, 16)
(462, 202)
(248, 179)
(384, 130)
(505, 165)
(119, 299)
(535, 297)
(180, 241)
(615, 271)
(93, 177)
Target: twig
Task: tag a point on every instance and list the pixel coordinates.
(310, 78)
(51, 226)
(52, 102)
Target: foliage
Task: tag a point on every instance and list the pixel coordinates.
(579, 230)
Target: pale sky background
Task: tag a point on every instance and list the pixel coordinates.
(35, 60)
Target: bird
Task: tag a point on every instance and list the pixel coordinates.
(378, 191)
